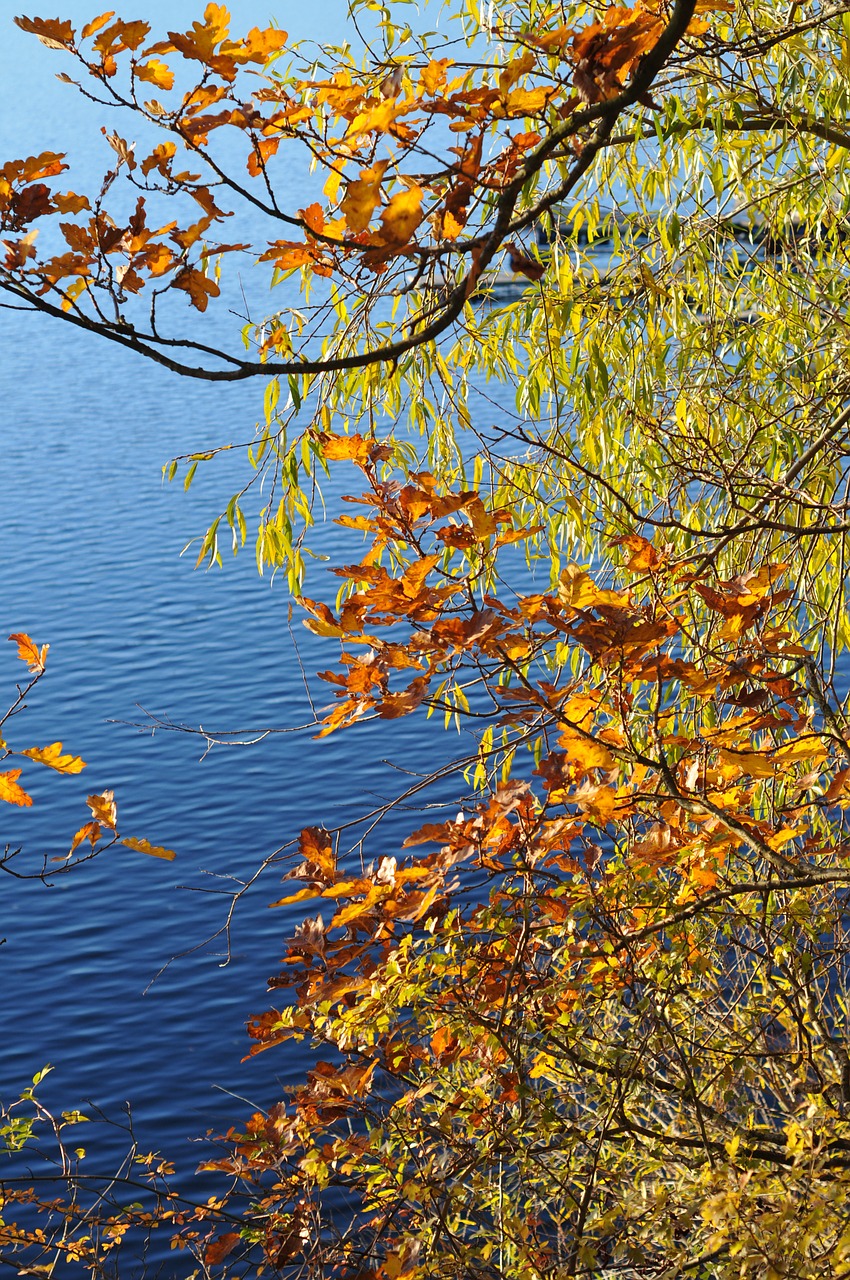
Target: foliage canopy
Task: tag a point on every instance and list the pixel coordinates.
(573, 285)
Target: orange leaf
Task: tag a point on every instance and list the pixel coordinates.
(29, 652)
(314, 217)
(644, 556)
(91, 28)
(11, 792)
(352, 448)
(145, 846)
(315, 846)
(53, 758)
(433, 76)
(71, 203)
(156, 72)
(91, 832)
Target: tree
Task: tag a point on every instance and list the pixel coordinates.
(602, 1028)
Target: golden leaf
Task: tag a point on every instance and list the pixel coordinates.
(156, 72)
(53, 758)
(361, 197)
(401, 217)
(300, 895)
(104, 809)
(433, 76)
(145, 846)
(11, 792)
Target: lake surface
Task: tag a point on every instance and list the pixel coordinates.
(91, 564)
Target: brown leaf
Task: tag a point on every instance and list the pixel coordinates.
(522, 265)
(199, 287)
(218, 1249)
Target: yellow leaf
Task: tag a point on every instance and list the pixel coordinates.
(299, 896)
(756, 763)
(53, 758)
(401, 217)
(29, 652)
(577, 589)
(145, 846)
(433, 76)
(361, 197)
(11, 792)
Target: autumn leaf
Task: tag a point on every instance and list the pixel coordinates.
(11, 792)
(218, 1249)
(54, 759)
(91, 831)
(104, 810)
(316, 847)
(313, 217)
(156, 73)
(361, 197)
(643, 555)
(53, 32)
(29, 652)
(144, 846)
(199, 287)
(401, 217)
(521, 264)
(91, 28)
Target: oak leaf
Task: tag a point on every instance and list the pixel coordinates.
(199, 287)
(104, 809)
(54, 32)
(156, 72)
(52, 757)
(316, 847)
(218, 1249)
(29, 652)
(11, 792)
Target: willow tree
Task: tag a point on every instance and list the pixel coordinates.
(572, 280)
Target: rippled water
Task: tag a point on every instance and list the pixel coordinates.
(91, 564)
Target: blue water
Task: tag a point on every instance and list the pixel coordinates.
(91, 563)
